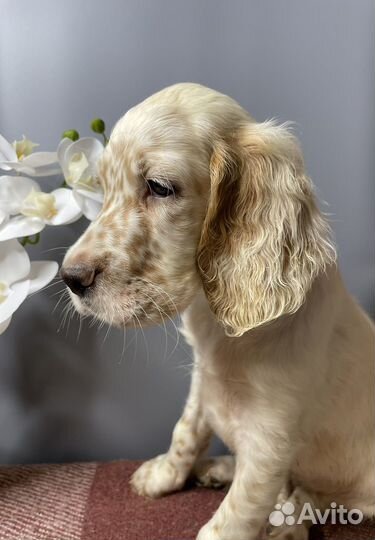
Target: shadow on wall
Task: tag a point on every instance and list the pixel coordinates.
(53, 381)
(48, 379)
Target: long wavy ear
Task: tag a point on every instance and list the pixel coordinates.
(263, 240)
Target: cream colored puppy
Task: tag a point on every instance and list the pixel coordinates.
(209, 211)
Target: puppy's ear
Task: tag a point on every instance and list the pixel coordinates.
(263, 240)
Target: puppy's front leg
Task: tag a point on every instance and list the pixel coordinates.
(191, 436)
(259, 475)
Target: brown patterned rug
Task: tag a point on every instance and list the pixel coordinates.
(93, 501)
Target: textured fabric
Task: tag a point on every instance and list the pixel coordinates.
(175, 517)
(94, 502)
(44, 502)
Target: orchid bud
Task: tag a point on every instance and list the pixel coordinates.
(71, 134)
(98, 125)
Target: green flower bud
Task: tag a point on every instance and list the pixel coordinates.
(98, 125)
(71, 134)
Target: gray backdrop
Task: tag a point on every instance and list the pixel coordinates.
(64, 62)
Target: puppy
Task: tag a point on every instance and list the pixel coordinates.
(208, 212)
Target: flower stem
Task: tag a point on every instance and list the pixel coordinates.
(105, 139)
(30, 240)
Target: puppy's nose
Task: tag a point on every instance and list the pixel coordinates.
(79, 277)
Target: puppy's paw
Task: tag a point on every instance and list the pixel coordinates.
(157, 477)
(209, 532)
(214, 531)
(214, 472)
(296, 532)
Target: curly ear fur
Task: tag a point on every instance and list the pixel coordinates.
(263, 240)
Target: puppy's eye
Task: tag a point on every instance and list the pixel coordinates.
(158, 190)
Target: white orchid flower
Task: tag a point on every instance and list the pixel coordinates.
(19, 278)
(25, 210)
(78, 161)
(20, 157)
(24, 147)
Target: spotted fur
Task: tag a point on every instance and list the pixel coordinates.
(284, 369)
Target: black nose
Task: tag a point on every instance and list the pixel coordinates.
(78, 278)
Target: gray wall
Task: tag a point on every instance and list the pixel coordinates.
(64, 62)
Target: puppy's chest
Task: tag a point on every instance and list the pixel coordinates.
(225, 401)
(225, 391)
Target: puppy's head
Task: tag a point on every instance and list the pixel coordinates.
(197, 193)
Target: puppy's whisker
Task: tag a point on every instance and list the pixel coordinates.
(52, 284)
(133, 337)
(80, 319)
(136, 346)
(174, 326)
(64, 314)
(63, 290)
(144, 338)
(123, 346)
(58, 248)
(108, 331)
(63, 294)
(163, 291)
(71, 313)
(163, 321)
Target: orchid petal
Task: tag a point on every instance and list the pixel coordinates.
(20, 226)
(90, 202)
(17, 294)
(97, 196)
(91, 147)
(67, 207)
(79, 170)
(13, 191)
(24, 147)
(4, 325)
(40, 205)
(17, 166)
(3, 217)
(43, 162)
(46, 170)
(14, 262)
(37, 164)
(61, 153)
(41, 273)
(7, 153)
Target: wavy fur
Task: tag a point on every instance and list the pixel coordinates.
(263, 240)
